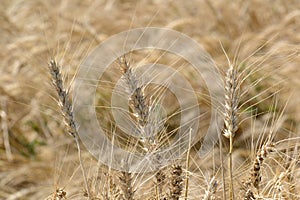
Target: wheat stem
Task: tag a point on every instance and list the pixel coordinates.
(187, 167)
(222, 167)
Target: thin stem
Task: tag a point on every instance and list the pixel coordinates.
(231, 189)
(82, 168)
(187, 168)
(222, 168)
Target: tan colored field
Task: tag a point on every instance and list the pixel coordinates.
(257, 157)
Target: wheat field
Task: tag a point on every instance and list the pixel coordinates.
(255, 47)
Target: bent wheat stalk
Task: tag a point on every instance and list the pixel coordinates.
(67, 111)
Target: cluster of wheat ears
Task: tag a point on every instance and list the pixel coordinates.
(255, 153)
(172, 181)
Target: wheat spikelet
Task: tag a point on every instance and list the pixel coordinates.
(290, 167)
(292, 159)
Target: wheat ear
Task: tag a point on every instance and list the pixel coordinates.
(176, 182)
(160, 180)
(67, 111)
(232, 94)
(258, 162)
(251, 186)
(138, 99)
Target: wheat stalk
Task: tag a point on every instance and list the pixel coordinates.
(232, 95)
(141, 109)
(187, 166)
(67, 111)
